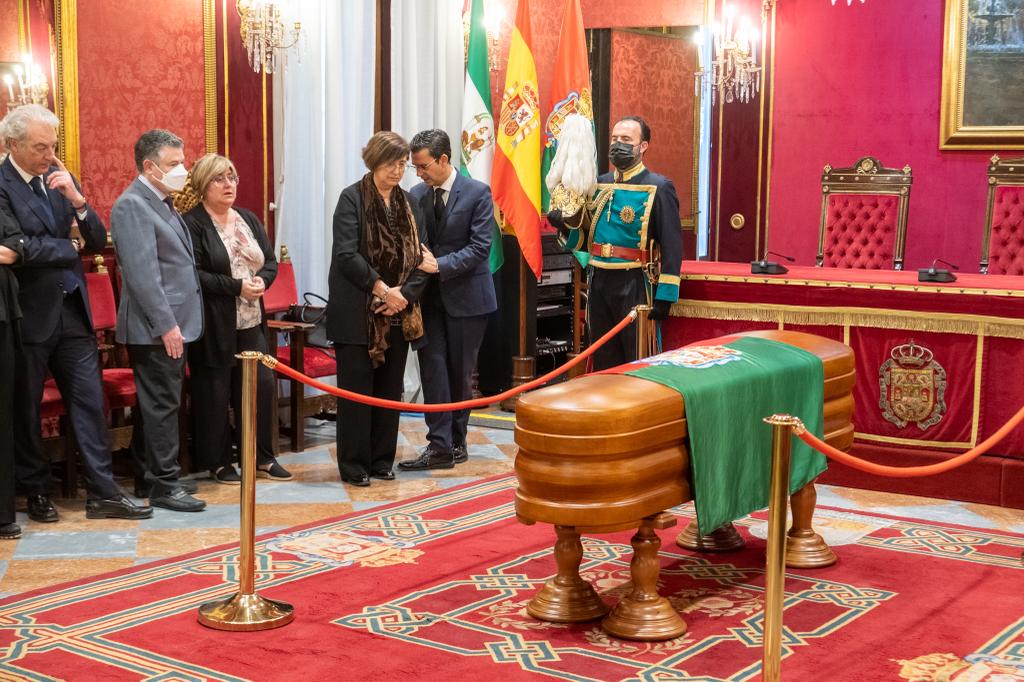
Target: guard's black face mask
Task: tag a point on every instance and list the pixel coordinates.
(622, 155)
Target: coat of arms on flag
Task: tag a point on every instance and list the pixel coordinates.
(477, 137)
(519, 111)
(912, 387)
(694, 357)
(575, 103)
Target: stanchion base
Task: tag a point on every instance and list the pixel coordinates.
(522, 372)
(245, 612)
(808, 551)
(575, 603)
(724, 539)
(646, 621)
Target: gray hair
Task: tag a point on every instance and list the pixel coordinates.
(150, 144)
(16, 122)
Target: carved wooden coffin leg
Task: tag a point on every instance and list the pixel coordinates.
(723, 539)
(644, 614)
(567, 598)
(804, 547)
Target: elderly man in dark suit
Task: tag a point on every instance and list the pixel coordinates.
(161, 308)
(56, 332)
(460, 227)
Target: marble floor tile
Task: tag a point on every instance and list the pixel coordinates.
(30, 574)
(157, 544)
(7, 547)
(214, 516)
(74, 544)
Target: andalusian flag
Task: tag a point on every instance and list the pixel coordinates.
(477, 120)
(570, 86)
(729, 385)
(516, 181)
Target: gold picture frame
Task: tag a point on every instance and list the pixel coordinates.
(983, 53)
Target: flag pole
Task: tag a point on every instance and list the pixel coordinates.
(523, 365)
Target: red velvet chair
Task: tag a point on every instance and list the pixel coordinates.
(315, 362)
(863, 216)
(1002, 246)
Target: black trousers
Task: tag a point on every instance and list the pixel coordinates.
(8, 351)
(446, 368)
(71, 357)
(158, 379)
(612, 294)
(214, 389)
(368, 436)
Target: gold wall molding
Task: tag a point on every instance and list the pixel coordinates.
(210, 73)
(65, 19)
(24, 38)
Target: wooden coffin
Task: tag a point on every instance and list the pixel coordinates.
(603, 451)
(608, 452)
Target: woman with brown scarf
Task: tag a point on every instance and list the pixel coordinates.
(379, 268)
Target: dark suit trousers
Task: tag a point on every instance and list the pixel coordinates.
(612, 294)
(368, 436)
(214, 389)
(70, 355)
(158, 379)
(446, 368)
(8, 348)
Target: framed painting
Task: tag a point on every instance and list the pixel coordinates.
(983, 75)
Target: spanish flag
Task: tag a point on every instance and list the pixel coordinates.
(516, 180)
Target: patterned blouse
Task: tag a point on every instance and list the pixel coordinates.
(247, 259)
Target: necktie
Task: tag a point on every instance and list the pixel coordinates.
(438, 205)
(37, 188)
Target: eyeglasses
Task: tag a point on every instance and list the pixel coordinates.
(421, 166)
(225, 179)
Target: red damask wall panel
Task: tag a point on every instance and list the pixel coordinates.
(860, 80)
(649, 80)
(617, 14)
(140, 66)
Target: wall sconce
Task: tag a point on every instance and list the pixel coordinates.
(494, 19)
(263, 32)
(32, 85)
(734, 70)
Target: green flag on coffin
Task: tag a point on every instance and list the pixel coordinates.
(729, 385)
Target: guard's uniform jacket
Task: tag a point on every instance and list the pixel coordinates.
(630, 215)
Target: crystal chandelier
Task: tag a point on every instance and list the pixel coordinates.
(263, 33)
(734, 70)
(32, 85)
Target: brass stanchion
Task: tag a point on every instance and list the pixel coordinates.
(645, 331)
(775, 573)
(246, 610)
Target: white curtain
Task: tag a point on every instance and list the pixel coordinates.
(326, 104)
(427, 69)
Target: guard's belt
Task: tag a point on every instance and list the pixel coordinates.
(623, 252)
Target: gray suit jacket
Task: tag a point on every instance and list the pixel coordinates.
(160, 286)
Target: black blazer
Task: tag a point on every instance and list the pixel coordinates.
(48, 252)
(351, 279)
(12, 238)
(216, 347)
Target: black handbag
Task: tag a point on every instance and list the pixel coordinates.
(309, 313)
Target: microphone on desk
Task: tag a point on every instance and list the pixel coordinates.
(934, 274)
(767, 267)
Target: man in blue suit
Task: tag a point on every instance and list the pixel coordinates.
(460, 225)
(56, 330)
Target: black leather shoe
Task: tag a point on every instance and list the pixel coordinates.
(178, 500)
(383, 475)
(459, 453)
(41, 509)
(10, 531)
(430, 458)
(362, 480)
(143, 490)
(119, 507)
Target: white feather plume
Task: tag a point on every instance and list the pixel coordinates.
(575, 163)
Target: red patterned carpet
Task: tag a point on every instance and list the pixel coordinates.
(435, 588)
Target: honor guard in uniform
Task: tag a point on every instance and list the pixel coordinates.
(630, 229)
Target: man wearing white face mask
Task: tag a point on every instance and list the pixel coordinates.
(160, 310)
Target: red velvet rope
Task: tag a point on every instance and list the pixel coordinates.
(291, 373)
(915, 471)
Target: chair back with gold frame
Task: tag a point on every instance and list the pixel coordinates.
(1002, 244)
(863, 216)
